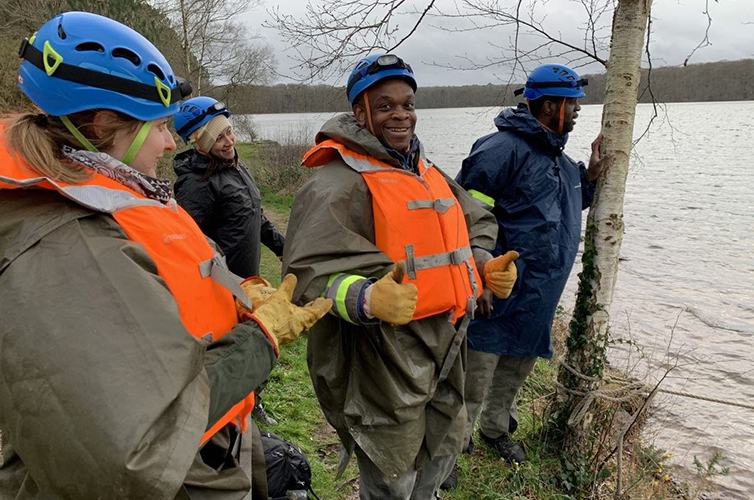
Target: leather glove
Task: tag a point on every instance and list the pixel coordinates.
(500, 274)
(390, 300)
(281, 320)
(258, 290)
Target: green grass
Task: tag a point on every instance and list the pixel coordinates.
(247, 151)
(484, 476)
(271, 200)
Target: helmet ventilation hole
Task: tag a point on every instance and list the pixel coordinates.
(61, 32)
(156, 71)
(128, 55)
(90, 47)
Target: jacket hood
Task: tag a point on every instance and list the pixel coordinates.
(344, 129)
(190, 161)
(521, 122)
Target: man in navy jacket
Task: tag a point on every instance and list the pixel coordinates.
(537, 194)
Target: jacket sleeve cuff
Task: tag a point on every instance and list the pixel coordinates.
(347, 294)
(481, 256)
(587, 188)
(246, 317)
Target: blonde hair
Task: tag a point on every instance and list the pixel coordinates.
(39, 139)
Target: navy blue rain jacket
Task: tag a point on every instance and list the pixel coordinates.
(539, 193)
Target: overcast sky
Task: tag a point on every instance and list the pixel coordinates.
(678, 27)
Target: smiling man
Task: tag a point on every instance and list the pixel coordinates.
(404, 251)
(537, 193)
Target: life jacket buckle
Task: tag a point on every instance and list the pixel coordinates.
(410, 262)
(455, 258)
(442, 206)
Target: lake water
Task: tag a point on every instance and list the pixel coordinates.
(687, 261)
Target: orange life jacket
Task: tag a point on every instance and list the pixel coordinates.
(418, 220)
(188, 264)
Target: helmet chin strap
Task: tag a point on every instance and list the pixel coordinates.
(137, 143)
(77, 134)
(561, 121)
(369, 113)
(133, 149)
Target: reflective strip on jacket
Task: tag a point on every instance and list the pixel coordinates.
(418, 221)
(171, 239)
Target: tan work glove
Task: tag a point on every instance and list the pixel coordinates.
(500, 274)
(258, 290)
(281, 320)
(390, 300)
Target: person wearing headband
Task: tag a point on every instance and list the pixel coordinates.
(216, 188)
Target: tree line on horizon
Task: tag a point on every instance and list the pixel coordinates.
(717, 81)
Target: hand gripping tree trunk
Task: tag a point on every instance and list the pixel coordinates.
(587, 341)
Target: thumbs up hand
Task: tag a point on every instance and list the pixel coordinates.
(390, 300)
(500, 274)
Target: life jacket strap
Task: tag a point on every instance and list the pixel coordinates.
(455, 258)
(455, 348)
(460, 335)
(441, 205)
(471, 303)
(215, 268)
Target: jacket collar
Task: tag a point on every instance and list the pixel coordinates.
(410, 160)
(344, 129)
(521, 122)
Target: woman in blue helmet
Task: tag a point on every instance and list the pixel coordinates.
(125, 360)
(218, 190)
(537, 193)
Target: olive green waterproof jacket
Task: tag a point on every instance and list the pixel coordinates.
(103, 393)
(377, 385)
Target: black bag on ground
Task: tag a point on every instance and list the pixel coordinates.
(287, 468)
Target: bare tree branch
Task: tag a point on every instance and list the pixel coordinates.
(218, 49)
(705, 41)
(332, 34)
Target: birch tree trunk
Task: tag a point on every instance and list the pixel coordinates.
(587, 341)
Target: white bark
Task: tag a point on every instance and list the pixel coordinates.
(623, 76)
(588, 335)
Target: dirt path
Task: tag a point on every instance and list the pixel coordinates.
(280, 220)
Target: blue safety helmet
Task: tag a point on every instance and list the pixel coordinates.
(195, 113)
(553, 80)
(80, 61)
(375, 68)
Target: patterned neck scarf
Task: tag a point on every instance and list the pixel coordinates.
(104, 164)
